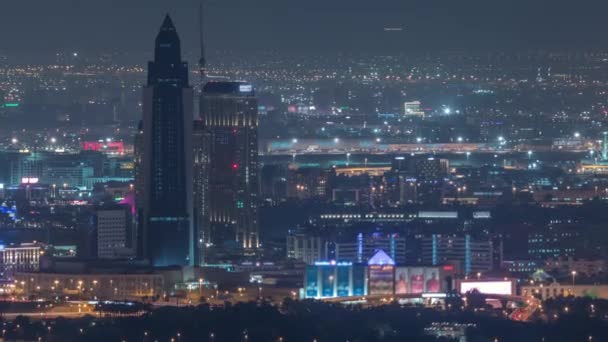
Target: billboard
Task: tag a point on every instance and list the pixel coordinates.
(112, 147)
(499, 287)
(432, 282)
(312, 285)
(381, 279)
(327, 281)
(416, 280)
(343, 273)
(401, 280)
(359, 280)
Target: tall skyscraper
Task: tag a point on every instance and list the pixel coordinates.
(229, 113)
(138, 161)
(167, 159)
(202, 144)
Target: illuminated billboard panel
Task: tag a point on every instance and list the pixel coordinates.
(499, 287)
(416, 280)
(327, 281)
(343, 274)
(312, 286)
(381, 280)
(359, 280)
(432, 282)
(401, 280)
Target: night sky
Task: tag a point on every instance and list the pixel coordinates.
(311, 24)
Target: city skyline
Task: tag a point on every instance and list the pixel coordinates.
(402, 170)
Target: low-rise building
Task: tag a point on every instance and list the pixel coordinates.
(546, 291)
(19, 258)
(565, 266)
(90, 285)
(473, 254)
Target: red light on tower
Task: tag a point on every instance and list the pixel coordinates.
(235, 166)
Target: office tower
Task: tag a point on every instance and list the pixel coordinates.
(365, 246)
(138, 173)
(229, 113)
(167, 158)
(472, 254)
(201, 145)
(25, 165)
(114, 233)
(605, 147)
(308, 248)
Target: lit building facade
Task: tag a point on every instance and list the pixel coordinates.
(201, 144)
(19, 258)
(378, 276)
(365, 246)
(328, 280)
(412, 108)
(90, 286)
(313, 248)
(473, 255)
(553, 290)
(305, 248)
(229, 113)
(114, 233)
(556, 241)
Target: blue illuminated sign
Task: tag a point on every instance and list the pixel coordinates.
(333, 263)
(245, 88)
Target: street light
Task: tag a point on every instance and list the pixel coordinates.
(573, 276)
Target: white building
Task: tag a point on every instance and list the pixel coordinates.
(19, 258)
(412, 109)
(303, 247)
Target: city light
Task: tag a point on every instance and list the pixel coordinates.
(304, 190)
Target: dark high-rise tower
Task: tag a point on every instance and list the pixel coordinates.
(167, 158)
(229, 113)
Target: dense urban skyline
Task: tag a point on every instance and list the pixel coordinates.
(304, 171)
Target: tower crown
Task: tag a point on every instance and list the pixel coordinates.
(167, 24)
(167, 47)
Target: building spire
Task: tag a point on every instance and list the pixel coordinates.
(167, 24)
(203, 60)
